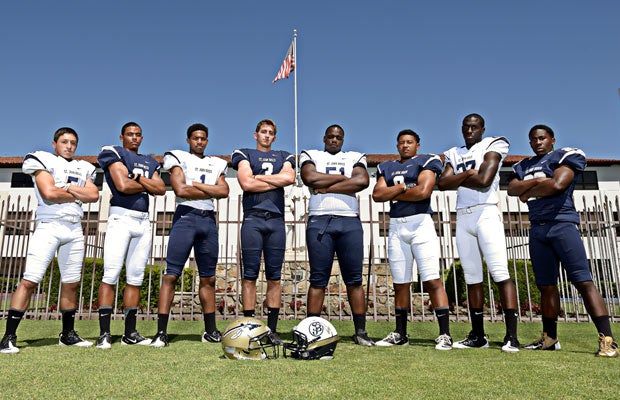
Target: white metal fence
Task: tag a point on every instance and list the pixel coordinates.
(599, 225)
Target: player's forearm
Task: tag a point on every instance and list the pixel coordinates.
(277, 180)
(517, 187)
(452, 182)
(153, 186)
(217, 191)
(85, 194)
(57, 195)
(319, 180)
(255, 185)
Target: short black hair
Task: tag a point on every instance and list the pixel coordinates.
(197, 127)
(65, 129)
(544, 128)
(334, 126)
(408, 132)
(474, 115)
(127, 125)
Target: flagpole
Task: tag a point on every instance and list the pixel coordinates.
(297, 176)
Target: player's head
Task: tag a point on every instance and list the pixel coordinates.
(472, 129)
(407, 143)
(542, 139)
(265, 134)
(197, 138)
(131, 136)
(65, 142)
(333, 139)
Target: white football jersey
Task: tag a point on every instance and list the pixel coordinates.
(204, 170)
(462, 159)
(75, 172)
(341, 163)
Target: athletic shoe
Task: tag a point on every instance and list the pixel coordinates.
(361, 338)
(472, 342)
(543, 343)
(72, 338)
(444, 342)
(394, 339)
(511, 345)
(213, 337)
(274, 339)
(606, 346)
(7, 345)
(160, 340)
(105, 341)
(135, 338)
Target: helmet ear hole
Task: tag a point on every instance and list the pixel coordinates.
(246, 339)
(314, 338)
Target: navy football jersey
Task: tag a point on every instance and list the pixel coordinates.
(396, 173)
(263, 163)
(141, 164)
(554, 208)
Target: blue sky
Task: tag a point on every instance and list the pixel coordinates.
(373, 67)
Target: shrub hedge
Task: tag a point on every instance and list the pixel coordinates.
(93, 269)
(522, 267)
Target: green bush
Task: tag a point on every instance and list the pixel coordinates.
(93, 269)
(520, 265)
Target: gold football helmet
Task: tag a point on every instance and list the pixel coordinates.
(246, 339)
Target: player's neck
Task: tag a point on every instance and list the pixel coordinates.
(64, 158)
(199, 155)
(264, 149)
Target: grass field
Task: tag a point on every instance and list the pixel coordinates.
(189, 369)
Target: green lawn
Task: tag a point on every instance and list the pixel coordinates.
(189, 369)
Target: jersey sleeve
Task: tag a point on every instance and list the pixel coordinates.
(517, 171)
(237, 156)
(573, 158)
(171, 159)
(91, 171)
(306, 157)
(108, 156)
(37, 161)
(381, 170)
(288, 157)
(433, 163)
(359, 159)
(449, 157)
(222, 166)
(498, 144)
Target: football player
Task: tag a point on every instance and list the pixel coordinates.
(262, 174)
(132, 177)
(196, 180)
(61, 185)
(546, 182)
(407, 184)
(334, 177)
(473, 170)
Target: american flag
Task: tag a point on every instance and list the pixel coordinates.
(288, 65)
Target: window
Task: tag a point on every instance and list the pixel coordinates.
(165, 176)
(163, 223)
(21, 180)
(18, 222)
(384, 223)
(90, 223)
(504, 179)
(588, 180)
(516, 223)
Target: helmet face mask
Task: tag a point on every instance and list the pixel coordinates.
(246, 339)
(314, 338)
